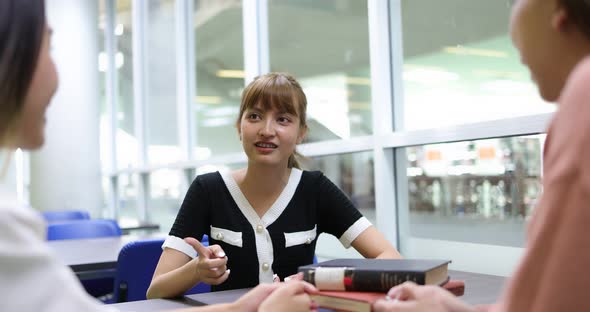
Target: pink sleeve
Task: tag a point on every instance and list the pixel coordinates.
(553, 275)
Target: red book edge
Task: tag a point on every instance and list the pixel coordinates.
(456, 287)
(362, 296)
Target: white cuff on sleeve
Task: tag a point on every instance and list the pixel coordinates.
(179, 244)
(354, 231)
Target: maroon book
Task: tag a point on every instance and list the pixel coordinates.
(356, 301)
(361, 301)
(456, 287)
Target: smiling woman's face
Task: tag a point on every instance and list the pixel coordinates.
(31, 128)
(269, 136)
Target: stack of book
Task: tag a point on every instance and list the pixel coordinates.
(354, 284)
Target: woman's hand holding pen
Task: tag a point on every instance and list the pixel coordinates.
(211, 265)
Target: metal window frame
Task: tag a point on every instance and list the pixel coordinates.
(516, 126)
(140, 9)
(185, 86)
(256, 46)
(400, 159)
(382, 95)
(112, 90)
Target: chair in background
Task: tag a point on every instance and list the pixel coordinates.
(83, 229)
(79, 229)
(135, 267)
(65, 215)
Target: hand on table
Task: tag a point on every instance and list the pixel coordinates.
(290, 296)
(409, 297)
(211, 266)
(294, 277)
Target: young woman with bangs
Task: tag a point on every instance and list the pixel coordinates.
(263, 221)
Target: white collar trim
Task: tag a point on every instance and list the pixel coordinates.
(277, 208)
(264, 248)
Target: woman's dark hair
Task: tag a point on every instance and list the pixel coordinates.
(579, 10)
(22, 25)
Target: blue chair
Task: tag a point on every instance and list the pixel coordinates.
(79, 229)
(83, 229)
(65, 215)
(135, 267)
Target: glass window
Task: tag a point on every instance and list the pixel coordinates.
(165, 197)
(162, 130)
(476, 191)
(126, 140)
(325, 45)
(353, 174)
(219, 76)
(128, 191)
(461, 67)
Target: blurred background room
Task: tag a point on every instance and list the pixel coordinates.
(419, 110)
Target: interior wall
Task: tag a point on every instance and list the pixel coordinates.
(65, 173)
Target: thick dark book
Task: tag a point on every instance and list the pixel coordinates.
(374, 275)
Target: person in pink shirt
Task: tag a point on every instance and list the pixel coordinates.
(553, 37)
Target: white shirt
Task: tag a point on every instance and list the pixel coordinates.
(31, 277)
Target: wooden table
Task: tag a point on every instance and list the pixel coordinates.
(479, 289)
